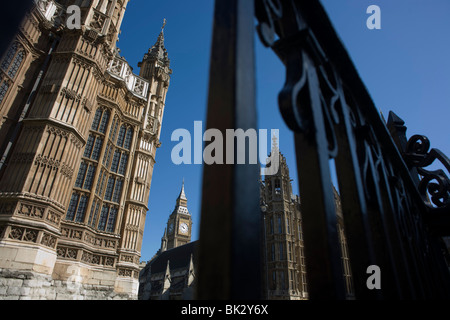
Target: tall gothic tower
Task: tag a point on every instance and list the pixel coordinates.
(284, 265)
(78, 137)
(284, 262)
(179, 225)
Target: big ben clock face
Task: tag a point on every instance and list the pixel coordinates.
(184, 228)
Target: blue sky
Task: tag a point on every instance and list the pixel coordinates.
(405, 66)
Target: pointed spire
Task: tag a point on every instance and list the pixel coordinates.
(158, 51)
(182, 194)
(181, 200)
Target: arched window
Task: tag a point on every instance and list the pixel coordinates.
(101, 119)
(94, 213)
(3, 90)
(125, 137)
(12, 61)
(107, 218)
(104, 122)
(93, 147)
(128, 138)
(77, 207)
(97, 117)
(121, 137)
(9, 57)
(114, 127)
(72, 207)
(16, 64)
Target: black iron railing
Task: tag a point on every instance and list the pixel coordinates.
(395, 213)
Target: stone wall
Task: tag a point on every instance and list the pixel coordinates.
(20, 285)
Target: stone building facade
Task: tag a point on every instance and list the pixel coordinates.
(284, 265)
(78, 136)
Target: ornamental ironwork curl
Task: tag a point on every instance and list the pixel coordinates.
(434, 185)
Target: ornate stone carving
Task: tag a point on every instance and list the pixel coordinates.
(70, 94)
(16, 233)
(30, 235)
(125, 272)
(53, 217)
(67, 253)
(31, 211)
(91, 258)
(48, 240)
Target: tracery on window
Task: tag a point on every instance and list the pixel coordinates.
(13, 60)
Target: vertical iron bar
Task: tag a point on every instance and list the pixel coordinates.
(229, 251)
(322, 248)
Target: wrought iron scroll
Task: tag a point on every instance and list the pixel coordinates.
(434, 187)
(332, 116)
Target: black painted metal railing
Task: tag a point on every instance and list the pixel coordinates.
(395, 212)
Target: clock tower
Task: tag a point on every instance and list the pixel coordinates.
(179, 225)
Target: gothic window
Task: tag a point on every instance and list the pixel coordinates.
(300, 231)
(287, 225)
(100, 120)
(103, 217)
(15, 65)
(104, 121)
(97, 148)
(108, 218)
(89, 177)
(109, 188)
(107, 156)
(9, 57)
(305, 288)
(125, 137)
(101, 183)
(111, 219)
(77, 207)
(123, 163)
(128, 138)
(93, 147)
(114, 127)
(121, 137)
(94, 212)
(281, 250)
(81, 209)
(290, 251)
(3, 90)
(291, 278)
(277, 186)
(279, 224)
(274, 280)
(117, 191)
(282, 280)
(12, 61)
(85, 176)
(302, 256)
(97, 117)
(89, 145)
(72, 207)
(81, 174)
(115, 161)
